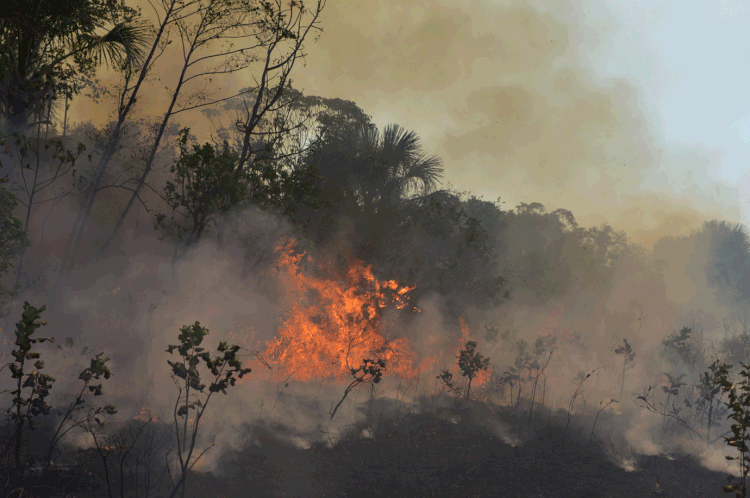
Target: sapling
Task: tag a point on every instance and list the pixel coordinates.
(672, 389)
(369, 371)
(471, 363)
(224, 366)
(33, 388)
(95, 371)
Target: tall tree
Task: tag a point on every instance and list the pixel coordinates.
(727, 246)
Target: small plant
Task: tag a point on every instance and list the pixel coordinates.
(224, 366)
(95, 371)
(680, 344)
(370, 371)
(739, 408)
(33, 388)
(672, 389)
(470, 362)
(709, 390)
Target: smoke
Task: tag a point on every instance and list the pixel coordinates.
(507, 93)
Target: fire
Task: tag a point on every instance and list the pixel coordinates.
(338, 321)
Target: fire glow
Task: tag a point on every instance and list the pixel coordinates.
(338, 321)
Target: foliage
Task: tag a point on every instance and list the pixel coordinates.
(203, 186)
(379, 170)
(710, 391)
(672, 388)
(550, 255)
(224, 366)
(13, 236)
(95, 371)
(739, 411)
(435, 244)
(628, 356)
(370, 371)
(48, 46)
(727, 247)
(680, 344)
(513, 376)
(470, 363)
(32, 388)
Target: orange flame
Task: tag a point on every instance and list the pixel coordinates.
(337, 322)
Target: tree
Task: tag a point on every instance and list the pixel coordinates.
(381, 170)
(727, 247)
(48, 46)
(203, 186)
(432, 243)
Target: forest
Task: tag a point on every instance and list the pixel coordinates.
(231, 286)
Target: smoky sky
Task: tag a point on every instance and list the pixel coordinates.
(507, 94)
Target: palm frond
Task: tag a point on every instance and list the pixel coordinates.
(123, 45)
(427, 170)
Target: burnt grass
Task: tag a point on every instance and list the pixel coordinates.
(454, 454)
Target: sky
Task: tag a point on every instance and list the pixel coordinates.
(632, 113)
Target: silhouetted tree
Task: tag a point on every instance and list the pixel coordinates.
(46, 46)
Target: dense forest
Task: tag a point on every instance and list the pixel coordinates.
(234, 287)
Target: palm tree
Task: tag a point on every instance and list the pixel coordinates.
(728, 248)
(381, 170)
(47, 45)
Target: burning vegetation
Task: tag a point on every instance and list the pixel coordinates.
(492, 342)
(338, 320)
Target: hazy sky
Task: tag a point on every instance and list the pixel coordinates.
(632, 113)
(627, 112)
